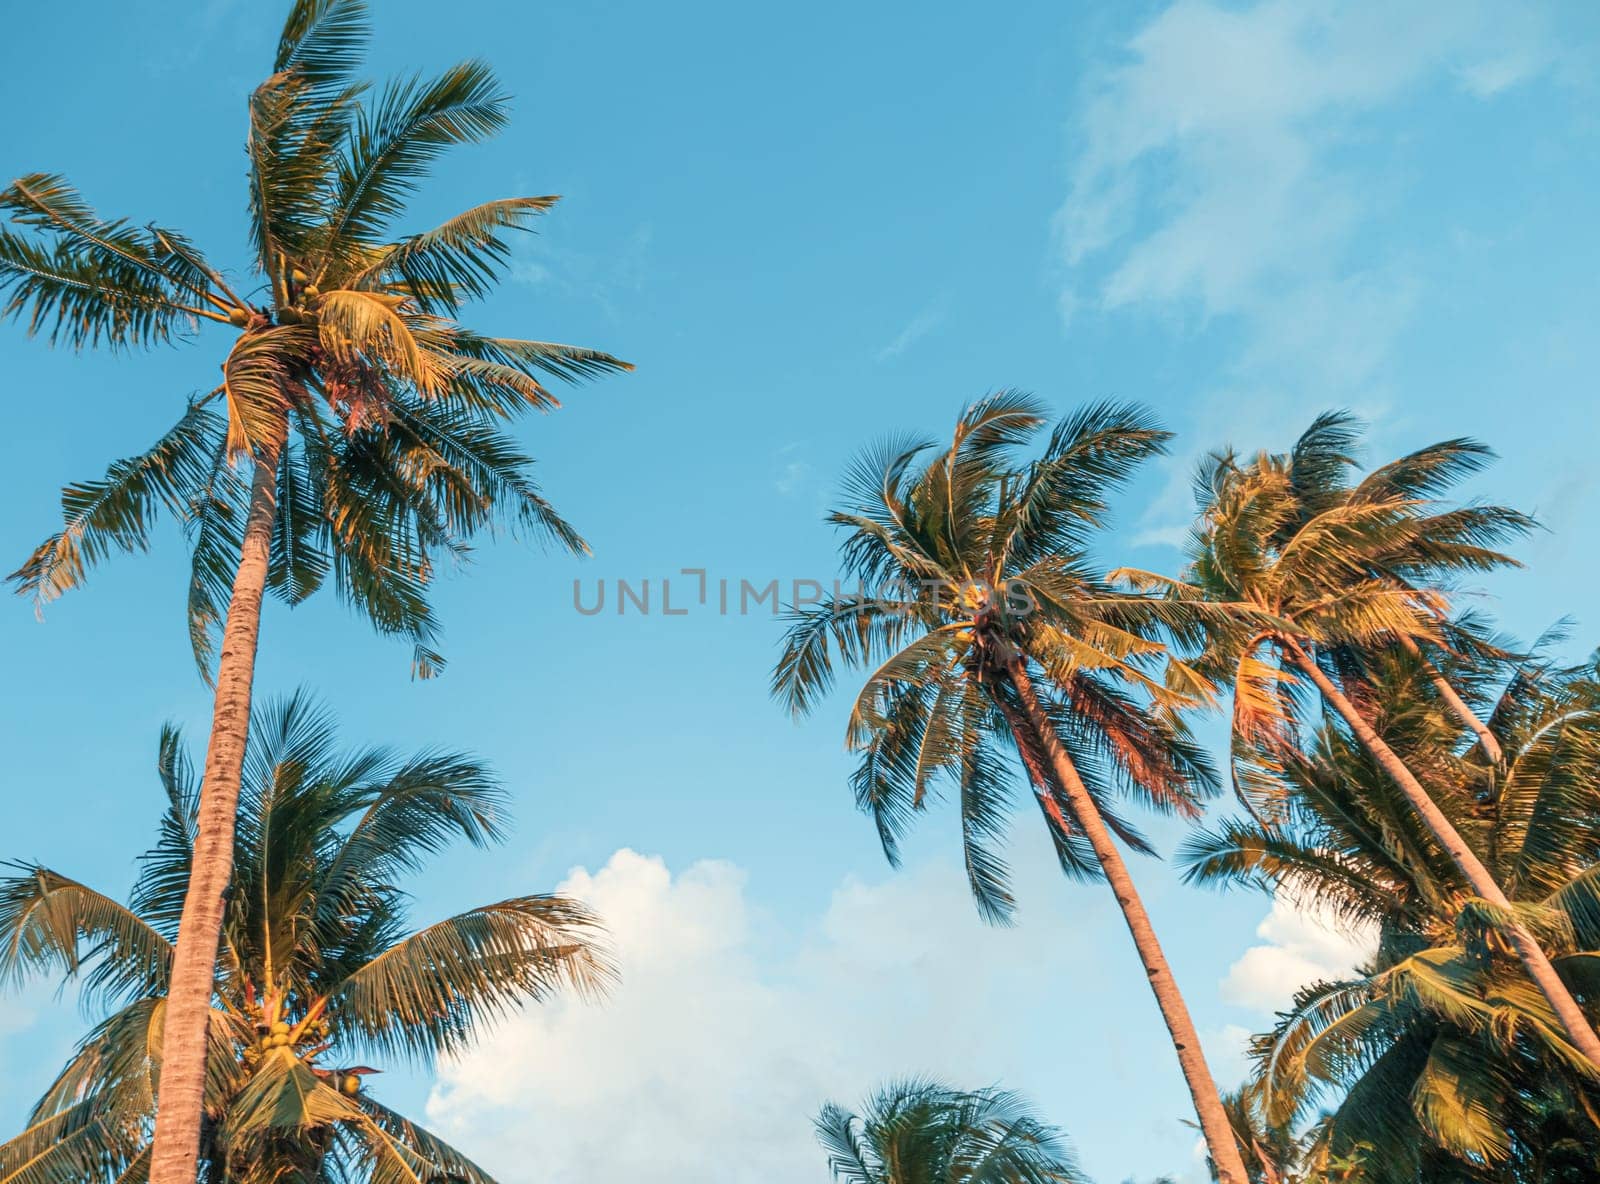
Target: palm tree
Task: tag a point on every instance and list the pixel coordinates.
(317, 970)
(922, 1132)
(1444, 1060)
(1347, 572)
(357, 430)
(1320, 470)
(992, 636)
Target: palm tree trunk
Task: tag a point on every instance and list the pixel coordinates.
(176, 1146)
(1458, 705)
(1534, 959)
(1214, 1124)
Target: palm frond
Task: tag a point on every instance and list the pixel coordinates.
(81, 301)
(391, 147)
(49, 922)
(458, 260)
(116, 512)
(322, 41)
(425, 995)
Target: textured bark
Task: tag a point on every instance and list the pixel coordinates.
(1458, 706)
(1214, 1125)
(176, 1148)
(1537, 963)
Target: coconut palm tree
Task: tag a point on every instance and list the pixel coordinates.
(358, 430)
(317, 972)
(1321, 469)
(1350, 574)
(1443, 1059)
(922, 1132)
(992, 637)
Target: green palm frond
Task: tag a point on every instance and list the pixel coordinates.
(1425, 473)
(83, 303)
(298, 560)
(284, 1094)
(458, 260)
(117, 512)
(1456, 1101)
(476, 472)
(859, 628)
(49, 922)
(571, 363)
(214, 522)
(256, 383)
(322, 42)
(116, 1066)
(428, 993)
(164, 869)
(1324, 458)
(391, 147)
(71, 1147)
(1062, 497)
(139, 262)
(984, 781)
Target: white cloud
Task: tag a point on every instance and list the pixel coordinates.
(605, 277)
(925, 322)
(1228, 1053)
(725, 1036)
(1302, 945)
(1221, 126)
(792, 472)
(1222, 177)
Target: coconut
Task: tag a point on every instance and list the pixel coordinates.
(298, 276)
(280, 1029)
(351, 1084)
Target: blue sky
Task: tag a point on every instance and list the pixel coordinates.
(810, 226)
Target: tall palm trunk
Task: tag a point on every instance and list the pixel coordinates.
(176, 1147)
(1534, 959)
(1214, 1124)
(1457, 705)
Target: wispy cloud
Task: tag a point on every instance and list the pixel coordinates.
(925, 322)
(1221, 184)
(600, 276)
(792, 470)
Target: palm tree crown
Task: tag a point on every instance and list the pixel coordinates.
(376, 414)
(1341, 566)
(921, 1132)
(317, 969)
(968, 556)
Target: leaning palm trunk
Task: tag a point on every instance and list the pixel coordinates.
(176, 1147)
(1457, 705)
(1214, 1125)
(1534, 959)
